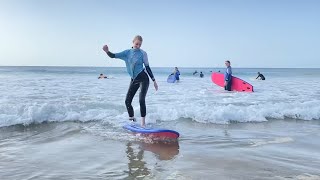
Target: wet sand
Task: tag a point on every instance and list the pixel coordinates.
(277, 149)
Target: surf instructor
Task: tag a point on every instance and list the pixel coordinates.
(228, 76)
(137, 67)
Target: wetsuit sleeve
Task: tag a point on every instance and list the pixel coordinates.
(122, 55)
(111, 55)
(228, 75)
(146, 64)
(260, 76)
(150, 73)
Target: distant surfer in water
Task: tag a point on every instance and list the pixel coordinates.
(135, 58)
(102, 76)
(201, 75)
(195, 72)
(228, 76)
(260, 76)
(176, 73)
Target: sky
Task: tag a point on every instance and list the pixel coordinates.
(193, 33)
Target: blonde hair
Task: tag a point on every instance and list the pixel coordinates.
(137, 37)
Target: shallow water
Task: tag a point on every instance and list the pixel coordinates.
(71, 150)
(64, 123)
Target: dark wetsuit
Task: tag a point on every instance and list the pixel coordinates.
(177, 74)
(228, 78)
(135, 58)
(261, 77)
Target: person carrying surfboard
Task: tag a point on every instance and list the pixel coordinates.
(135, 58)
(176, 73)
(228, 76)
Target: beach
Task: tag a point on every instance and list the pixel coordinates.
(65, 123)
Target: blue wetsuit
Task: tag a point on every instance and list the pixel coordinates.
(136, 60)
(177, 74)
(228, 78)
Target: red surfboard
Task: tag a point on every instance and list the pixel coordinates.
(154, 133)
(237, 83)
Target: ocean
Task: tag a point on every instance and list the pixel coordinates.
(65, 123)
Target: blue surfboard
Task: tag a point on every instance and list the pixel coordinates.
(152, 132)
(171, 79)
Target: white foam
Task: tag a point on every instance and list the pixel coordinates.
(51, 97)
(279, 140)
(305, 176)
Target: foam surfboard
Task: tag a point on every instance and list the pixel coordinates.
(171, 79)
(237, 83)
(152, 132)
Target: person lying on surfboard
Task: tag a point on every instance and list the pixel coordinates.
(102, 76)
(195, 72)
(228, 76)
(260, 76)
(135, 58)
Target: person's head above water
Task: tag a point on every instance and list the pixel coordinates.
(258, 72)
(137, 42)
(227, 63)
(101, 74)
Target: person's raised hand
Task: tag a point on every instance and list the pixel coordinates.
(105, 48)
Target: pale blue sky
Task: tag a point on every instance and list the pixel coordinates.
(251, 33)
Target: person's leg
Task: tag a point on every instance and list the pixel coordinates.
(144, 85)
(133, 87)
(229, 85)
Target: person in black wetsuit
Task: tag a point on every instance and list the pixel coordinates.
(260, 76)
(102, 76)
(201, 75)
(135, 58)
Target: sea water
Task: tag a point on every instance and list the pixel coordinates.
(65, 123)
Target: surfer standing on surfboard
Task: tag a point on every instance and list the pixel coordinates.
(135, 58)
(228, 76)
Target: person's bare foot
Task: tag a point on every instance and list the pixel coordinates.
(143, 121)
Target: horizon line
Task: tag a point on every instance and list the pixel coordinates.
(157, 67)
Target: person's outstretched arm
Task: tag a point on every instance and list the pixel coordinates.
(122, 55)
(111, 55)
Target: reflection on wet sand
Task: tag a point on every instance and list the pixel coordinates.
(137, 165)
(163, 150)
